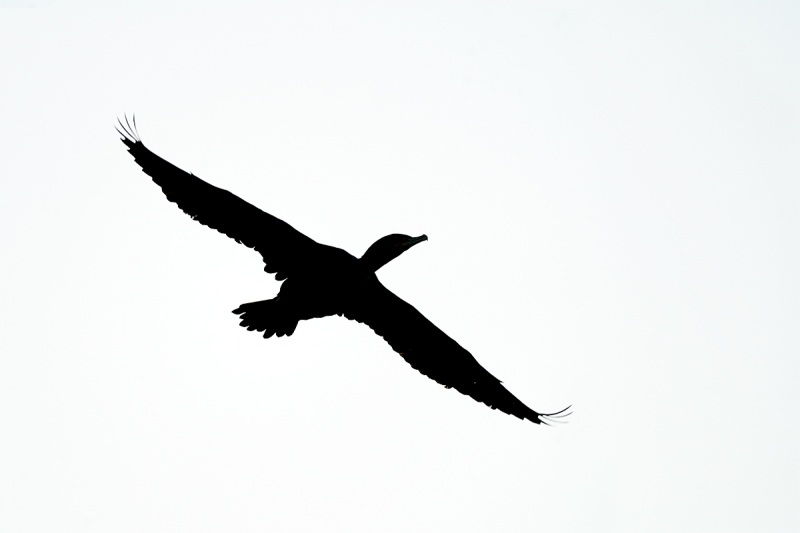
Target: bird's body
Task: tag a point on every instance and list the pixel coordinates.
(321, 289)
(321, 280)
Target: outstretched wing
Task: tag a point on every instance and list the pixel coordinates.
(429, 350)
(284, 249)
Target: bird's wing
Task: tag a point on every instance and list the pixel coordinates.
(283, 248)
(429, 350)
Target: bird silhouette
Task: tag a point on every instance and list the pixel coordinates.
(321, 280)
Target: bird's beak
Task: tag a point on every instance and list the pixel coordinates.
(416, 240)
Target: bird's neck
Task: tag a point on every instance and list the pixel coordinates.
(376, 256)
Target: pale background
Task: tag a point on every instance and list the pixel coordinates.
(611, 194)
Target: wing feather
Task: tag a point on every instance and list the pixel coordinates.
(284, 249)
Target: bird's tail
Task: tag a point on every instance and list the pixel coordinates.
(266, 316)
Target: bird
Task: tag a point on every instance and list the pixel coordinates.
(320, 280)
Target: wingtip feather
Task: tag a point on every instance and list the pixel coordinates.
(548, 418)
(130, 133)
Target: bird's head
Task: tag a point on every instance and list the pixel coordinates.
(387, 248)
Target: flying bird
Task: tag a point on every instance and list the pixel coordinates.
(321, 280)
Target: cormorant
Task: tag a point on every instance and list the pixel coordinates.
(321, 280)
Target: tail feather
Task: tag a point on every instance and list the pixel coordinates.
(267, 317)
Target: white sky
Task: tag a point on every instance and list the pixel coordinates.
(611, 194)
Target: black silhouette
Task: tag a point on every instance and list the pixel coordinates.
(322, 280)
